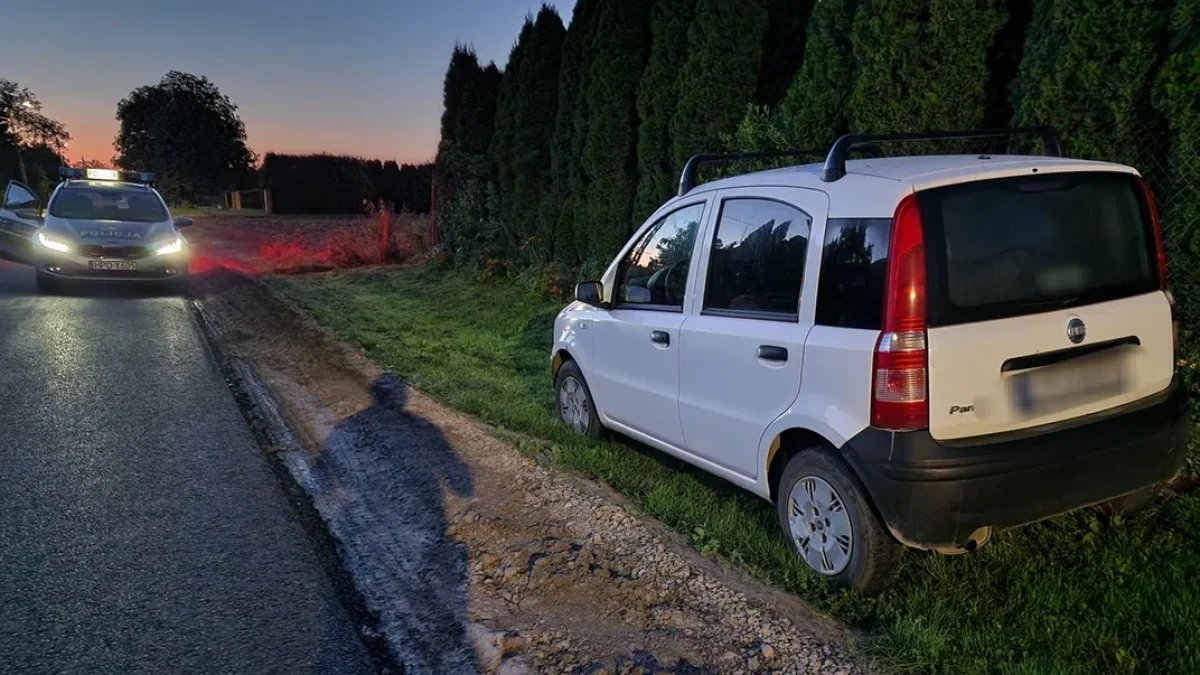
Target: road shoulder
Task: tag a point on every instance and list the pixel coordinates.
(539, 570)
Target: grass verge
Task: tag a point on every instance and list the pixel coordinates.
(1077, 594)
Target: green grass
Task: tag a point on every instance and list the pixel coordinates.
(1077, 594)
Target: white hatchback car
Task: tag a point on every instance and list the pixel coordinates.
(903, 350)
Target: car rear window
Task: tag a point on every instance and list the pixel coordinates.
(1014, 246)
(108, 203)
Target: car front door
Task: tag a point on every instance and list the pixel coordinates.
(20, 218)
(742, 345)
(636, 342)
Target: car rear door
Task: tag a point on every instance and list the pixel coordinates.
(742, 345)
(20, 218)
(635, 378)
(1044, 301)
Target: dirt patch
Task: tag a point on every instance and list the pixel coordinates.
(558, 574)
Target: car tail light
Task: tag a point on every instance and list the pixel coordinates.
(1161, 248)
(899, 394)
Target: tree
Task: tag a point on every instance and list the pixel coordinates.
(570, 129)
(783, 49)
(188, 133)
(658, 93)
(537, 106)
(813, 111)
(921, 65)
(468, 123)
(1177, 99)
(725, 45)
(1089, 70)
(463, 66)
(508, 103)
(621, 46)
(23, 127)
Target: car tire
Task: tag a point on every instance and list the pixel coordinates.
(573, 402)
(46, 283)
(826, 515)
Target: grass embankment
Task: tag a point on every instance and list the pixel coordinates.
(1078, 594)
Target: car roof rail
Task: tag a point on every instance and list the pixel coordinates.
(835, 161)
(687, 179)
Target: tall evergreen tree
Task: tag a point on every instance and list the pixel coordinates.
(463, 65)
(535, 113)
(725, 44)
(783, 49)
(508, 103)
(468, 123)
(1177, 96)
(922, 64)
(621, 46)
(1089, 70)
(813, 111)
(475, 123)
(570, 127)
(658, 94)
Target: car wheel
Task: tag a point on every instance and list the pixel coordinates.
(46, 283)
(826, 515)
(574, 402)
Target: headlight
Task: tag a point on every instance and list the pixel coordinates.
(173, 246)
(53, 243)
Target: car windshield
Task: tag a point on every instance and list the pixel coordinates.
(93, 202)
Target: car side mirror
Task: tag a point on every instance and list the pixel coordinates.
(590, 293)
(183, 221)
(29, 214)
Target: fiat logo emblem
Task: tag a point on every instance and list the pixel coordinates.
(1076, 330)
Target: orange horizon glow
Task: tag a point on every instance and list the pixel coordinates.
(92, 139)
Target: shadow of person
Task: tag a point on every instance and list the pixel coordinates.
(378, 484)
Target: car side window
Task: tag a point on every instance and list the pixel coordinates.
(853, 266)
(757, 263)
(18, 198)
(654, 273)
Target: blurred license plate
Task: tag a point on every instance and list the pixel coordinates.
(113, 265)
(1065, 385)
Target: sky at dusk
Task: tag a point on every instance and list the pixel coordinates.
(360, 77)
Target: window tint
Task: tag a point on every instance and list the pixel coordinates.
(757, 263)
(108, 203)
(655, 271)
(19, 198)
(853, 271)
(1016, 246)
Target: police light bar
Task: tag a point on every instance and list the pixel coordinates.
(71, 173)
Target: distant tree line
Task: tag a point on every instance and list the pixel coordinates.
(342, 184)
(189, 134)
(560, 156)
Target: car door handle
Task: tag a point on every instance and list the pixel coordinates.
(772, 353)
(660, 337)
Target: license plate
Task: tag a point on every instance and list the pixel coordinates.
(1061, 386)
(113, 265)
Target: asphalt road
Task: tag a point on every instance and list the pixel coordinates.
(141, 528)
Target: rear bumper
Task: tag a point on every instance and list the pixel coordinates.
(936, 494)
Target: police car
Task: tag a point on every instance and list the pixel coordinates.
(100, 225)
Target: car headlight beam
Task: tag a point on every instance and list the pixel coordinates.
(53, 243)
(173, 246)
